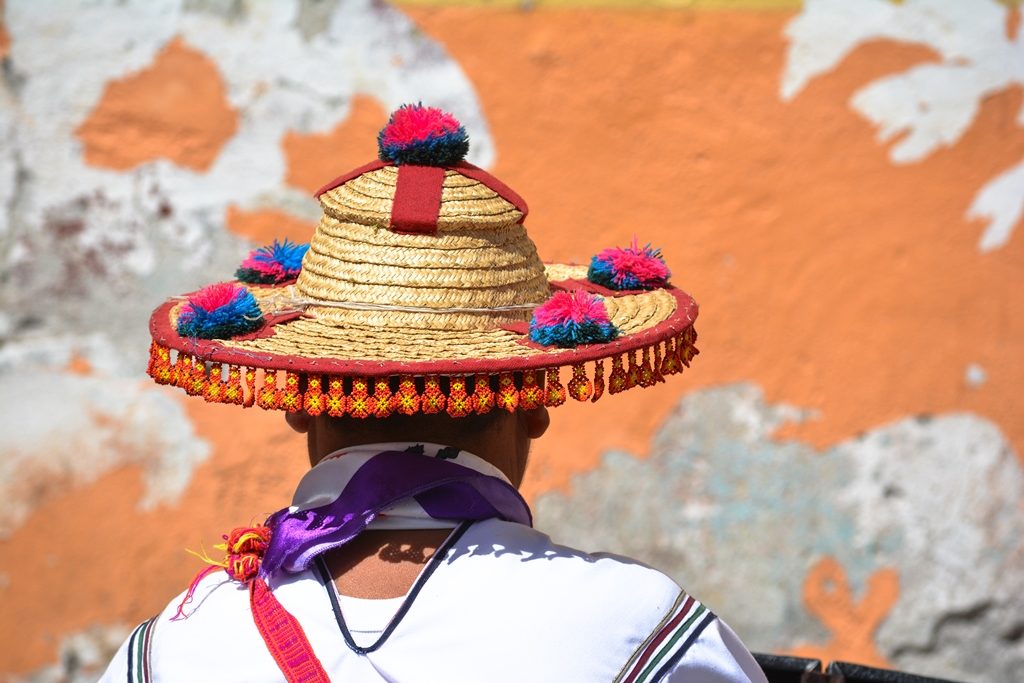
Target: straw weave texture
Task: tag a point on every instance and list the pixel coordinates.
(480, 258)
(387, 340)
(460, 268)
(465, 203)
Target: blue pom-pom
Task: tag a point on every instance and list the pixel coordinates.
(273, 264)
(572, 334)
(632, 267)
(569, 319)
(422, 136)
(220, 311)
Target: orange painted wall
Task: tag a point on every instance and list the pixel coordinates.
(176, 109)
(836, 280)
(830, 277)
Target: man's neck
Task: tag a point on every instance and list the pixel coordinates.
(383, 564)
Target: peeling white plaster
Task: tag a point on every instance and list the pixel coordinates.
(277, 80)
(87, 253)
(928, 106)
(61, 431)
(91, 235)
(955, 516)
(936, 498)
(1001, 203)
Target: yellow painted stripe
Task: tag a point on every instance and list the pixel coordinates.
(616, 4)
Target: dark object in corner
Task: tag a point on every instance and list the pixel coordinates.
(782, 669)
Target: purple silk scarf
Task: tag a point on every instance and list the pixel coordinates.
(348, 491)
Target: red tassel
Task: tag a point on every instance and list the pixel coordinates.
(313, 401)
(656, 366)
(290, 398)
(617, 380)
(689, 350)
(407, 401)
(174, 368)
(185, 369)
(383, 402)
(199, 378)
(598, 380)
(268, 392)
(233, 392)
(580, 386)
(358, 402)
(153, 355)
(554, 392)
(671, 364)
(214, 392)
(161, 364)
(508, 395)
(633, 371)
(193, 377)
(531, 396)
(645, 376)
(182, 371)
(337, 402)
(459, 402)
(433, 398)
(483, 395)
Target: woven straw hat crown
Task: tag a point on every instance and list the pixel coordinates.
(479, 270)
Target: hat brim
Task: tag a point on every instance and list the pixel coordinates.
(657, 338)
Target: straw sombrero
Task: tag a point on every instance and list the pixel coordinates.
(421, 292)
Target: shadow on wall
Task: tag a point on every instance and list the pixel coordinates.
(930, 546)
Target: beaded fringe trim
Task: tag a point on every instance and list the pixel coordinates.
(456, 395)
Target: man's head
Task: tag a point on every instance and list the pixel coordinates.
(410, 305)
(499, 437)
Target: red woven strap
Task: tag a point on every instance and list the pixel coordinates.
(417, 199)
(418, 193)
(284, 637)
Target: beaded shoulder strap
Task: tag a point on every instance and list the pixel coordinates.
(284, 637)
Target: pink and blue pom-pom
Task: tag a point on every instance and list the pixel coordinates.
(569, 319)
(631, 267)
(422, 136)
(272, 264)
(220, 311)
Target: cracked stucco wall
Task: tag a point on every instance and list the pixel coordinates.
(845, 211)
(124, 146)
(919, 518)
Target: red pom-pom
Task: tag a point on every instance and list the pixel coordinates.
(215, 296)
(576, 306)
(633, 267)
(424, 136)
(412, 123)
(569, 319)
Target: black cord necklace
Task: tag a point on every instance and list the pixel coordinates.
(421, 580)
